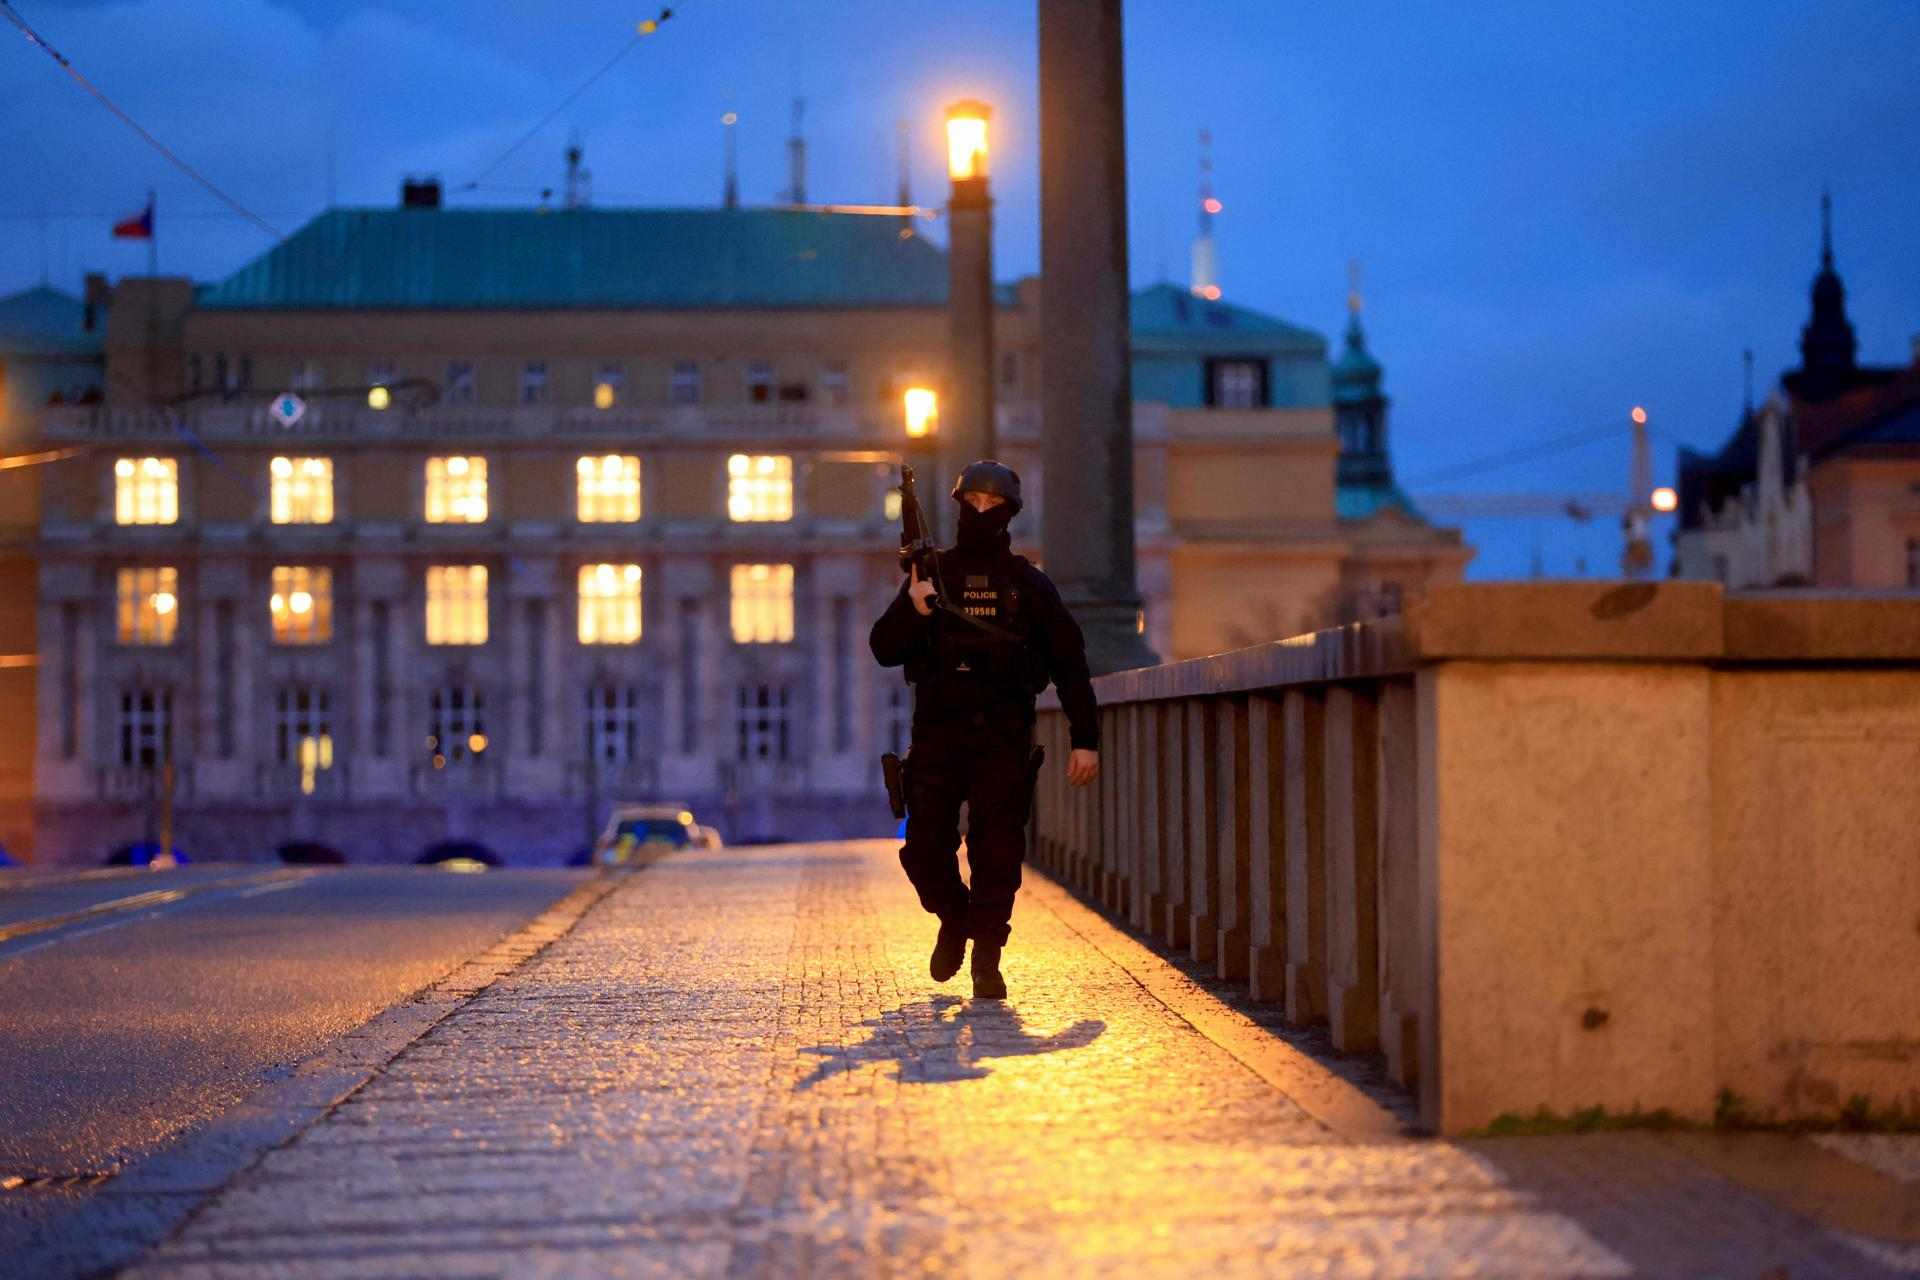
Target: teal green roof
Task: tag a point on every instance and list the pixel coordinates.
(1364, 501)
(44, 321)
(527, 259)
(1165, 317)
(1356, 375)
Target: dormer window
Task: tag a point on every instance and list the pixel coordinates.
(1236, 384)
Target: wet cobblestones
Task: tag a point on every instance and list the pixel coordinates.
(736, 1065)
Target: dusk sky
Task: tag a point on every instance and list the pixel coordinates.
(1558, 217)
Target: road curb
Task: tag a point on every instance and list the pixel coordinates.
(158, 1197)
(1343, 1109)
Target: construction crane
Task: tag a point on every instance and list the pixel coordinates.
(1635, 508)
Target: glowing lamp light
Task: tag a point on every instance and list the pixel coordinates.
(1665, 499)
(686, 817)
(1211, 205)
(476, 742)
(164, 602)
(647, 26)
(1211, 292)
(300, 602)
(456, 466)
(123, 468)
(603, 395)
(282, 467)
(730, 118)
(923, 411)
(1639, 416)
(379, 397)
(967, 139)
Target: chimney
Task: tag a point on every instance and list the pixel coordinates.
(420, 192)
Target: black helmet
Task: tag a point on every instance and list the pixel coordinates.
(988, 476)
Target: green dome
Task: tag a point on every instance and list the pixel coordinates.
(1356, 375)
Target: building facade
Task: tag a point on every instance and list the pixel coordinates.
(1820, 485)
(50, 355)
(434, 523)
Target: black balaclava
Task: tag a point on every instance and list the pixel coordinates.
(984, 530)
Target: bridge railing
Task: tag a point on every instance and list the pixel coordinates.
(1556, 845)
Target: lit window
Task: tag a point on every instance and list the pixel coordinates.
(456, 490)
(609, 603)
(891, 504)
(457, 604)
(615, 721)
(686, 382)
(760, 487)
(759, 381)
(303, 731)
(300, 490)
(762, 603)
(533, 382)
(457, 727)
(302, 604)
(146, 727)
(459, 382)
(148, 605)
(608, 385)
(608, 488)
(146, 491)
(833, 385)
(762, 729)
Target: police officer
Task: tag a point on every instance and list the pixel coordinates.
(976, 665)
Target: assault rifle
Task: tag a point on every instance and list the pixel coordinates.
(918, 551)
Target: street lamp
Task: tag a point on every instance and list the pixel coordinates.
(967, 140)
(922, 408)
(967, 425)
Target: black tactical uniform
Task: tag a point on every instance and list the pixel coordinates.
(973, 716)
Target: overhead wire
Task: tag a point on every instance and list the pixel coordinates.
(1494, 461)
(640, 32)
(34, 37)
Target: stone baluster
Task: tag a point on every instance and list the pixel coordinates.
(1305, 713)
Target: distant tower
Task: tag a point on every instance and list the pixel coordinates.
(797, 156)
(1359, 408)
(730, 195)
(579, 188)
(904, 195)
(1206, 266)
(1827, 344)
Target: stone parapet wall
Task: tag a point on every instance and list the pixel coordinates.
(1544, 845)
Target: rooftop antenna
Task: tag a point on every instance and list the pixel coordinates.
(797, 156)
(730, 197)
(579, 188)
(1205, 281)
(1354, 300)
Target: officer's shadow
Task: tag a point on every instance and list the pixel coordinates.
(942, 1040)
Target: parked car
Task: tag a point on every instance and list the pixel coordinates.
(637, 827)
(458, 855)
(146, 853)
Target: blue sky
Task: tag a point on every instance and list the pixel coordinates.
(1561, 210)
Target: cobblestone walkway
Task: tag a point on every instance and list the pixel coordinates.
(736, 1065)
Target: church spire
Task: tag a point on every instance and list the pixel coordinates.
(1827, 345)
(1359, 408)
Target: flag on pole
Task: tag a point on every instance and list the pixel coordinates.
(138, 227)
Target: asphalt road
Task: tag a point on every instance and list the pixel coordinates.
(135, 1007)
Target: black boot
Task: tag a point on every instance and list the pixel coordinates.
(987, 982)
(948, 950)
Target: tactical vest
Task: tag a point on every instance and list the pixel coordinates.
(964, 655)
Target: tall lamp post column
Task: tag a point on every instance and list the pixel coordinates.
(966, 416)
(1086, 447)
